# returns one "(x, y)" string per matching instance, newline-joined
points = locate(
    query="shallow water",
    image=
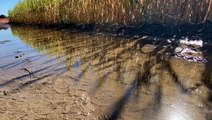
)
(127, 78)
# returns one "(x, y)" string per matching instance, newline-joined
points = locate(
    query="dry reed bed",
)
(36, 12)
(110, 11)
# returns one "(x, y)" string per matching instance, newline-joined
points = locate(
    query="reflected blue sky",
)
(12, 44)
(6, 5)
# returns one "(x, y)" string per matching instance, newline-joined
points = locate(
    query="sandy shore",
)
(51, 100)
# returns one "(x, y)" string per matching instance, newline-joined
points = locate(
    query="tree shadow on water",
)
(142, 80)
(143, 77)
(207, 81)
(112, 55)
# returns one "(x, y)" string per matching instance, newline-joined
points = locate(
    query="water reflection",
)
(4, 26)
(135, 78)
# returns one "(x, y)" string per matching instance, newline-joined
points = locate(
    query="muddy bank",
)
(136, 29)
(167, 31)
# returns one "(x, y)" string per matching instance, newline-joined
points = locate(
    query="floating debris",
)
(190, 50)
(19, 54)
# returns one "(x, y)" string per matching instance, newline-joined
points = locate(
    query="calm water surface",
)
(127, 78)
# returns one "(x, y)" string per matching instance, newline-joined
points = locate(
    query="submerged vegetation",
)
(110, 11)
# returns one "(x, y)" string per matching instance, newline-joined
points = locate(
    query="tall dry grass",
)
(101, 11)
(36, 12)
(111, 11)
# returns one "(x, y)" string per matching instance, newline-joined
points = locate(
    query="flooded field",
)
(48, 74)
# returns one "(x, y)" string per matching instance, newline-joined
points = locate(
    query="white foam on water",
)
(191, 42)
(188, 50)
(178, 49)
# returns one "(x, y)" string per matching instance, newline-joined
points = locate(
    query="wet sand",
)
(51, 74)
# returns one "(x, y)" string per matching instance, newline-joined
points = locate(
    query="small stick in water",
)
(30, 73)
